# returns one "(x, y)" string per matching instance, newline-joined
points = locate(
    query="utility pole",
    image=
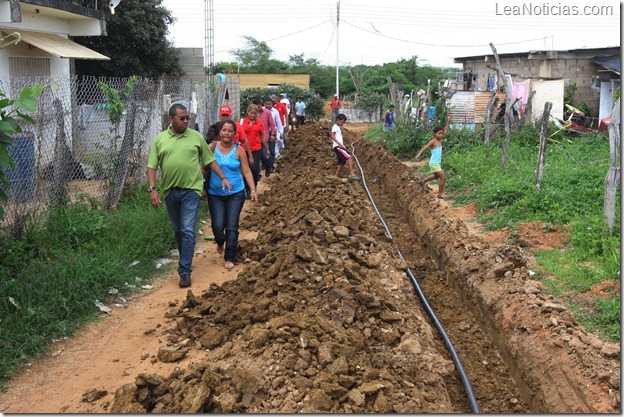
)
(209, 36)
(337, 49)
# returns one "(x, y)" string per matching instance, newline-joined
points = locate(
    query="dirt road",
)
(319, 317)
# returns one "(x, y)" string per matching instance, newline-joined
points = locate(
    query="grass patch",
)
(52, 276)
(571, 193)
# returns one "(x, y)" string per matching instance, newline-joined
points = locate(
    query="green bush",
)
(52, 276)
(314, 105)
(571, 193)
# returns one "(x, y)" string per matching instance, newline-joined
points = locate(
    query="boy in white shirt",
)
(344, 157)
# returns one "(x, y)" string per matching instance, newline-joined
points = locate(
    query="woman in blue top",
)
(225, 206)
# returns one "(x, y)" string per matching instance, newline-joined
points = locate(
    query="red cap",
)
(225, 109)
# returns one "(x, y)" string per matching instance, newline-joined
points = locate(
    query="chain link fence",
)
(84, 144)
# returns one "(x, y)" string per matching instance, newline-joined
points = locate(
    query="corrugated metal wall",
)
(462, 107)
(469, 107)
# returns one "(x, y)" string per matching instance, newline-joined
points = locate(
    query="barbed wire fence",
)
(79, 150)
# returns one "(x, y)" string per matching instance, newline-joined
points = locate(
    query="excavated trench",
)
(324, 319)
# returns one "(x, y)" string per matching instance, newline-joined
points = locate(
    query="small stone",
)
(371, 387)
(614, 381)
(324, 355)
(171, 353)
(341, 231)
(610, 350)
(356, 397)
(93, 395)
(549, 306)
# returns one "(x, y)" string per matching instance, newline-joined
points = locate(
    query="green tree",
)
(367, 81)
(256, 58)
(322, 77)
(136, 43)
(314, 105)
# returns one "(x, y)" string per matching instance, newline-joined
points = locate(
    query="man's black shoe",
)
(185, 280)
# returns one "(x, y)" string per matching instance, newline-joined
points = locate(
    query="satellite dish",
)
(112, 4)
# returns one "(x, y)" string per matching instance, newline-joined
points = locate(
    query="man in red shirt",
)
(335, 106)
(265, 116)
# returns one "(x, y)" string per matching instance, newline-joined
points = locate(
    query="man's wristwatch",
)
(150, 189)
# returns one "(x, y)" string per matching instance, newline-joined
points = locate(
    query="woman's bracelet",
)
(253, 192)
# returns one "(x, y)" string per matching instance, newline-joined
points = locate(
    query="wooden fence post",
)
(542, 149)
(528, 111)
(613, 175)
(488, 118)
(508, 83)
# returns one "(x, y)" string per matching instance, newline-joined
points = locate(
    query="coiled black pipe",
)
(460, 369)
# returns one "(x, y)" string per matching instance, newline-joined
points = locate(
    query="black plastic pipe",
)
(460, 369)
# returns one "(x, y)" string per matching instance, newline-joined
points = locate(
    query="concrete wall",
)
(192, 62)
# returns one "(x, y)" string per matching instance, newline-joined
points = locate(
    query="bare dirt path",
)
(111, 352)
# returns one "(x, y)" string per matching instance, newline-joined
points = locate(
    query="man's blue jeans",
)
(225, 214)
(271, 164)
(182, 206)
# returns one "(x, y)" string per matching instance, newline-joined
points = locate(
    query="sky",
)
(376, 32)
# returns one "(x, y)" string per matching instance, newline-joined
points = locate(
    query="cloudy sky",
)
(374, 32)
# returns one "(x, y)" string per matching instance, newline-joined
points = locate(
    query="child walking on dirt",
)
(435, 161)
(344, 157)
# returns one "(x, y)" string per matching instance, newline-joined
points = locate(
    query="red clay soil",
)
(319, 316)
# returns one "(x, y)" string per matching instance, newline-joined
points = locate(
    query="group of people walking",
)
(223, 168)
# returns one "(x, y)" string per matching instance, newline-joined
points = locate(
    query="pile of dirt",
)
(323, 318)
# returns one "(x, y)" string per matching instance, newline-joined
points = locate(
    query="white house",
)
(35, 47)
(44, 27)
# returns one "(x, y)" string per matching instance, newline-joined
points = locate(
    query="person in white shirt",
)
(279, 131)
(344, 157)
(300, 112)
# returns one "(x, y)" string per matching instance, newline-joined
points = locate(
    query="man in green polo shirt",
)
(181, 153)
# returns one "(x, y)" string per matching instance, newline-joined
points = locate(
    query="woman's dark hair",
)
(221, 123)
(215, 129)
(211, 133)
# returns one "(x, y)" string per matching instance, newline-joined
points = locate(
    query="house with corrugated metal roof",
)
(594, 71)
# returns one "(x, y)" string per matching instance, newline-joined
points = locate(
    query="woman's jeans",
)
(182, 206)
(225, 214)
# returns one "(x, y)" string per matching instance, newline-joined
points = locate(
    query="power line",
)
(331, 38)
(438, 45)
(297, 32)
